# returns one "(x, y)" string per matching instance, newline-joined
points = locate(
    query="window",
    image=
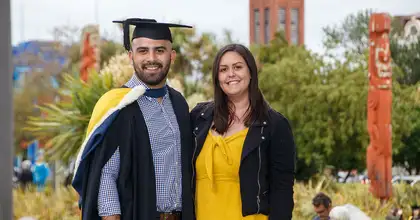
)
(294, 26)
(257, 25)
(282, 20)
(266, 25)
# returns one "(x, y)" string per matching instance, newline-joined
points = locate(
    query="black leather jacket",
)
(267, 164)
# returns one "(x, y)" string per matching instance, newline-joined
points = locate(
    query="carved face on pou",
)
(383, 57)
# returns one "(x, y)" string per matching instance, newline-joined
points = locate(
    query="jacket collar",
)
(208, 112)
(256, 135)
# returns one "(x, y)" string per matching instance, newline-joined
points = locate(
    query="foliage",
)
(71, 36)
(62, 204)
(36, 88)
(50, 205)
(356, 194)
(120, 67)
(65, 124)
(352, 35)
(326, 104)
(195, 56)
(407, 56)
(408, 157)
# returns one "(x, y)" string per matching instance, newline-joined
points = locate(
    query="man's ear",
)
(173, 56)
(130, 55)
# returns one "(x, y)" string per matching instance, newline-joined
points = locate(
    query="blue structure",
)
(41, 171)
(32, 151)
(37, 56)
(33, 56)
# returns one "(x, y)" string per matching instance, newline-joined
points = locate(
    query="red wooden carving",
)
(89, 52)
(379, 151)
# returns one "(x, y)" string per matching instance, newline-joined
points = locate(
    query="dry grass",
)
(50, 205)
(62, 204)
(356, 194)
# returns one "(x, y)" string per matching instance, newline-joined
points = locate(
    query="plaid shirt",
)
(165, 141)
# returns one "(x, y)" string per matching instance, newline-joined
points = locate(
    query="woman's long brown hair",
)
(224, 112)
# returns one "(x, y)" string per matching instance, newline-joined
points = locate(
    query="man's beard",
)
(151, 79)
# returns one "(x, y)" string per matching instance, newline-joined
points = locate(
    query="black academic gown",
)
(136, 182)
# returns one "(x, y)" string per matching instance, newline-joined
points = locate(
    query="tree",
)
(65, 125)
(352, 35)
(36, 88)
(407, 57)
(196, 53)
(408, 156)
(326, 103)
(70, 36)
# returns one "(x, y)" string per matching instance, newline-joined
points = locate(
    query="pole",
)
(6, 116)
(22, 20)
(95, 2)
(379, 108)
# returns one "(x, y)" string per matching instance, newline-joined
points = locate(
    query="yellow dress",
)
(218, 194)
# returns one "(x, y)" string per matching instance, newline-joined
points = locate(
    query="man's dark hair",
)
(321, 199)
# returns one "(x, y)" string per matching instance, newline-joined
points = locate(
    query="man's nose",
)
(152, 56)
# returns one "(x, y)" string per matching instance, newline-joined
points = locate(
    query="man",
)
(322, 206)
(415, 213)
(135, 163)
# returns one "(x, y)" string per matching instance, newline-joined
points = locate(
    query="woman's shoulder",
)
(275, 116)
(201, 107)
(277, 119)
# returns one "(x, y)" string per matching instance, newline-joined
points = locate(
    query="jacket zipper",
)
(259, 170)
(258, 180)
(192, 161)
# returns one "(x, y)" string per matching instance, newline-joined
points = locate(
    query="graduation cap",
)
(148, 28)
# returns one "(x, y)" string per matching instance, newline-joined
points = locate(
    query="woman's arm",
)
(282, 170)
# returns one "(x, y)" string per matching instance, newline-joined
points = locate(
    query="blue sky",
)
(33, 20)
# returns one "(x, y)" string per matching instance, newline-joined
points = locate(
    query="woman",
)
(244, 157)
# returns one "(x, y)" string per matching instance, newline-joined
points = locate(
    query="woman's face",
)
(234, 76)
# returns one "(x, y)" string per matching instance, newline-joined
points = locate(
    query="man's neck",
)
(158, 86)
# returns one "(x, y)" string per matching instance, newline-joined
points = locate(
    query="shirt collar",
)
(135, 81)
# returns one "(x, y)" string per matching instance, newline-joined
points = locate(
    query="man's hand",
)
(111, 217)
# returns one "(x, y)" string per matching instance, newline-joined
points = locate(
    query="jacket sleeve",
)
(282, 170)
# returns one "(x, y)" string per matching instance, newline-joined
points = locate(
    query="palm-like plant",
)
(62, 125)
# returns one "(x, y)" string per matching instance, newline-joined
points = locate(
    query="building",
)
(270, 16)
(411, 27)
(32, 57)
